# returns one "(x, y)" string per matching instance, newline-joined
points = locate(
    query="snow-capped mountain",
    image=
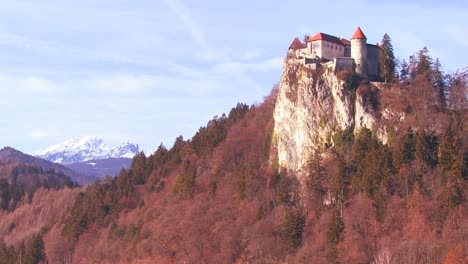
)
(88, 148)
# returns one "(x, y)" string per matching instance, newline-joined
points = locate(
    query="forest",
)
(220, 197)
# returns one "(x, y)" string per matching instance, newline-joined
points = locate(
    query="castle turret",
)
(359, 52)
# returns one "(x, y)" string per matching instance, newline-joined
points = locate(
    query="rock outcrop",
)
(312, 105)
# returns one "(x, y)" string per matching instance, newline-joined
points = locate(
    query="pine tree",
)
(387, 59)
(404, 72)
(138, 168)
(293, 228)
(185, 181)
(335, 230)
(413, 66)
(34, 251)
(447, 149)
(316, 176)
(426, 148)
(406, 149)
(438, 81)
(424, 64)
(338, 185)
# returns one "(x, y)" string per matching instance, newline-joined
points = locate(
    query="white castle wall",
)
(327, 50)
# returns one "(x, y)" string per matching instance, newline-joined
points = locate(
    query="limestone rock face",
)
(311, 107)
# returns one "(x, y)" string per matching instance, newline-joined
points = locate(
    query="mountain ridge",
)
(86, 149)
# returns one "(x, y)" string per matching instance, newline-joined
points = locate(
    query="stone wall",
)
(327, 50)
(359, 54)
(373, 62)
(344, 64)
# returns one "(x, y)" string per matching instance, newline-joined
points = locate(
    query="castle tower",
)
(359, 52)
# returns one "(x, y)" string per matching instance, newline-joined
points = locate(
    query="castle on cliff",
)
(339, 54)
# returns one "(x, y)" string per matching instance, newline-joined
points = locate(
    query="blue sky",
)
(148, 71)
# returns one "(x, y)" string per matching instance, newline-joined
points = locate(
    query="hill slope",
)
(8, 154)
(227, 196)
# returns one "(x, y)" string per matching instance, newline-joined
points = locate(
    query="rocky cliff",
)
(314, 104)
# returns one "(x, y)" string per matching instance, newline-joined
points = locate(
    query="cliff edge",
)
(314, 104)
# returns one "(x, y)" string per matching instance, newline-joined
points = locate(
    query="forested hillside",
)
(19, 182)
(221, 197)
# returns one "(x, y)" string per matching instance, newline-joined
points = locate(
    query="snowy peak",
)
(126, 150)
(87, 148)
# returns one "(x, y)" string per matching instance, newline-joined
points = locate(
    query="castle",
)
(340, 54)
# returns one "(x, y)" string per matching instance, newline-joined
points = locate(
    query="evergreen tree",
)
(425, 63)
(34, 251)
(138, 168)
(185, 181)
(404, 72)
(438, 81)
(293, 227)
(338, 184)
(387, 59)
(335, 229)
(316, 175)
(406, 149)
(447, 149)
(426, 148)
(412, 67)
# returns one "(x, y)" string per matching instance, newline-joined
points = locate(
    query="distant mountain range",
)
(87, 149)
(101, 168)
(84, 160)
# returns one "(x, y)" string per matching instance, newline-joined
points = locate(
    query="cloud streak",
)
(183, 14)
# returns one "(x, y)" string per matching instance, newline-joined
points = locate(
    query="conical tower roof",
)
(358, 34)
(296, 44)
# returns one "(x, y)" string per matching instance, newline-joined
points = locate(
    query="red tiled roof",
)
(345, 42)
(358, 34)
(325, 37)
(296, 44)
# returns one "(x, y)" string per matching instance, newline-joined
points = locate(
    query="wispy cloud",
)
(56, 49)
(183, 13)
